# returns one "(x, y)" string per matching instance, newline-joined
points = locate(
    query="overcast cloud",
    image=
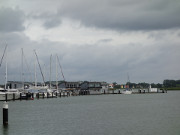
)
(95, 40)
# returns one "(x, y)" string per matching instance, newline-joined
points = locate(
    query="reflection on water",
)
(138, 114)
(5, 129)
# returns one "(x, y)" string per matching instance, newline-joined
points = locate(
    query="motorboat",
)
(11, 94)
(126, 91)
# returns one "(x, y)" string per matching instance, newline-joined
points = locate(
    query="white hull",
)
(126, 92)
(9, 96)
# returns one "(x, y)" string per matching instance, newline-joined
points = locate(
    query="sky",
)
(104, 40)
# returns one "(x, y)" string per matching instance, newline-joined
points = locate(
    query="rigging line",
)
(39, 66)
(60, 67)
(3, 55)
(28, 67)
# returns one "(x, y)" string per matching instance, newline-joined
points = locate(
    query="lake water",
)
(136, 114)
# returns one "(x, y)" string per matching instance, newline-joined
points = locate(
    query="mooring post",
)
(43, 95)
(52, 94)
(56, 94)
(5, 113)
(38, 95)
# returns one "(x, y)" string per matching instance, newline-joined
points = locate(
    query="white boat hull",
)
(126, 92)
(9, 96)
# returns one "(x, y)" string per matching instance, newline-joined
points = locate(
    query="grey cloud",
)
(124, 15)
(11, 20)
(50, 20)
(105, 40)
(51, 23)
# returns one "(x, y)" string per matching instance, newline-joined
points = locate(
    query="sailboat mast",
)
(50, 72)
(39, 67)
(22, 74)
(6, 73)
(56, 74)
(35, 79)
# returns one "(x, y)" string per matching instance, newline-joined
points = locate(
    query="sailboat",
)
(11, 93)
(127, 90)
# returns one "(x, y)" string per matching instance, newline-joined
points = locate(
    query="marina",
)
(86, 67)
(47, 93)
(103, 115)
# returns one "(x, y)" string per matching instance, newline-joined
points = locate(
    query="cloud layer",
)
(124, 15)
(95, 40)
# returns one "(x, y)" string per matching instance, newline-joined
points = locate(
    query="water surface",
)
(136, 114)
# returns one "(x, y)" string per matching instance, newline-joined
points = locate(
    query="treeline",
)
(171, 83)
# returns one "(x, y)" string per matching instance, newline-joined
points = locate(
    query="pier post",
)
(52, 94)
(43, 95)
(5, 113)
(47, 95)
(119, 92)
(56, 94)
(60, 94)
(139, 91)
(38, 95)
(144, 91)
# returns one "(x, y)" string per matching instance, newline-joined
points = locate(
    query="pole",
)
(5, 113)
